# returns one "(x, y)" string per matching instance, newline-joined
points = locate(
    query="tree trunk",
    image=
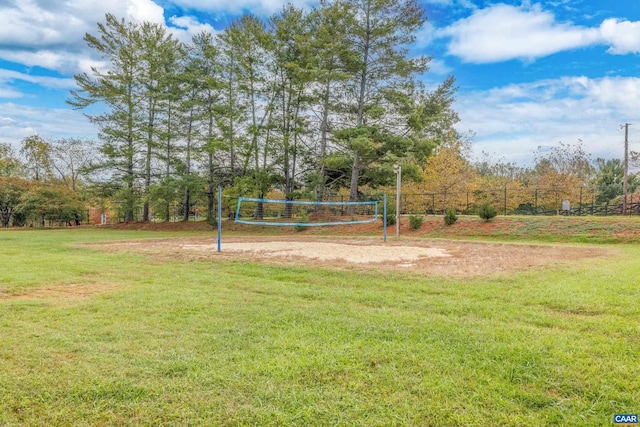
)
(187, 192)
(355, 170)
(324, 129)
(147, 171)
(353, 188)
(210, 190)
(187, 204)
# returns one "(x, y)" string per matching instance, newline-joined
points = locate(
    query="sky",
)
(530, 73)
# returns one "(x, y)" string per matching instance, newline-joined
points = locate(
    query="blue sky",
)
(529, 73)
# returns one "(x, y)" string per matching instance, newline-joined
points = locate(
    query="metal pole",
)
(398, 170)
(219, 217)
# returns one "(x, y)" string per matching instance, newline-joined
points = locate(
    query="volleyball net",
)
(304, 213)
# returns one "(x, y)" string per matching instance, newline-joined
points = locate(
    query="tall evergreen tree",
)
(158, 62)
(291, 87)
(141, 59)
(328, 54)
(383, 73)
(204, 71)
(116, 88)
(247, 43)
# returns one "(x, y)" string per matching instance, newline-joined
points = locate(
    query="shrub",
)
(391, 215)
(415, 221)
(302, 219)
(450, 217)
(486, 211)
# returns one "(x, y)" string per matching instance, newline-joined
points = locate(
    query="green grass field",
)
(96, 338)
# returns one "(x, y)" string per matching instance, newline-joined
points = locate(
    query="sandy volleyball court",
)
(329, 251)
(424, 256)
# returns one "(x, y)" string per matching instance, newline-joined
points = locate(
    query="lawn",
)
(91, 337)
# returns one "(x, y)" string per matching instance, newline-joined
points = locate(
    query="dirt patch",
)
(62, 292)
(426, 257)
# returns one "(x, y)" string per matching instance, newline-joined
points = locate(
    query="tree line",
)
(450, 178)
(46, 183)
(53, 182)
(307, 104)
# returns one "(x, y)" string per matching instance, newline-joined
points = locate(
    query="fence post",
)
(580, 209)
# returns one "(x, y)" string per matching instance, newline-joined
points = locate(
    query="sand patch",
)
(327, 251)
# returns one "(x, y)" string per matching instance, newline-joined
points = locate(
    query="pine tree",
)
(117, 89)
(383, 74)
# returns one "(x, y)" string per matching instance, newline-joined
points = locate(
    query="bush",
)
(450, 217)
(486, 211)
(303, 219)
(391, 216)
(415, 221)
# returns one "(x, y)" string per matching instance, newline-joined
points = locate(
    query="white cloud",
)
(7, 92)
(6, 121)
(63, 61)
(30, 24)
(512, 121)
(50, 34)
(503, 32)
(623, 36)
(8, 77)
(50, 82)
(439, 67)
(425, 35)
(141, 10)
(185, 27)
(85, 65)
(21, 121)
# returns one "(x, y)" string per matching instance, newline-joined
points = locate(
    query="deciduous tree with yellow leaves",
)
(448, 176)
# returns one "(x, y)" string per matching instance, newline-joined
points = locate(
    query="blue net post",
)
(384, 217)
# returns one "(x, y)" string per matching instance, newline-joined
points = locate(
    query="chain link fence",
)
(572, 201)
(524, 201)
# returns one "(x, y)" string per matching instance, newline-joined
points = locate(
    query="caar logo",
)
(625, 419)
